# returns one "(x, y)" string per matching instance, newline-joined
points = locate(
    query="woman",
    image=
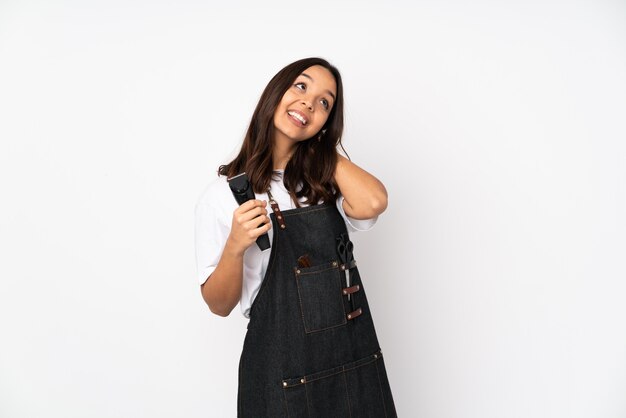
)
(311, 349)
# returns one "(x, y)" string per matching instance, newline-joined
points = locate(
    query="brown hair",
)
(312, 162)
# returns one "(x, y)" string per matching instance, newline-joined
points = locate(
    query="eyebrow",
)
(329, 92)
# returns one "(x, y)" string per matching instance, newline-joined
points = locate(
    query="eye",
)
(325, 103)
(300, 84)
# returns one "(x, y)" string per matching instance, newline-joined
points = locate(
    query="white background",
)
(496, 276)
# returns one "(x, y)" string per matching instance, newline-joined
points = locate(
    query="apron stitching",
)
(301, 308)
(309, 211)
(332, 326)
(286, 403)
(304, 270)
(382, 396)
(307, 379)
(347, 394)
(306, 393)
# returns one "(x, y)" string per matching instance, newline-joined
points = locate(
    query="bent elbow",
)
(375, 208)
(378, 206)
(215, 306)
(220, 309)
(220, 312)
(371, 210)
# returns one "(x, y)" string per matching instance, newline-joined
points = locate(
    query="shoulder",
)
(216, 198)
(214, 192)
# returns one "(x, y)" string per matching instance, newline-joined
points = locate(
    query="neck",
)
(283, 149)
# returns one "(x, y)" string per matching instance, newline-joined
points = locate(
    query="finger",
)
(257, 222)
(250, 204)
(251, 214)
(263, 229)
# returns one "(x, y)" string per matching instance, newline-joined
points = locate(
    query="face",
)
(305, 106)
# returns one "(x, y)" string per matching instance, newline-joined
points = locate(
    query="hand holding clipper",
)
(242, 191)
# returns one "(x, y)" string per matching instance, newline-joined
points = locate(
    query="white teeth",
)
(297, 116)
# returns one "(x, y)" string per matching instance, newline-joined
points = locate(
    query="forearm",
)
(364, 195)
(222, 290)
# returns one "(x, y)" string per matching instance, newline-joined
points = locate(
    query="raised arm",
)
(364, 195)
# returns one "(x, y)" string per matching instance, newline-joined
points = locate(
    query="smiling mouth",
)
(298, 117)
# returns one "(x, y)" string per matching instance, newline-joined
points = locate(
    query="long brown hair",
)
(312, 162)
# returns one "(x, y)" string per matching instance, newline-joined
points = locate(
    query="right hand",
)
(250, 221)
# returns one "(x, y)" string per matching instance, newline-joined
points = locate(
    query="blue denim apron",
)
(309, 351)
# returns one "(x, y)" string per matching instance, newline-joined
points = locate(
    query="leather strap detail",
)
(276, 209)
(279, 215)
(350, 290)
(354, 314)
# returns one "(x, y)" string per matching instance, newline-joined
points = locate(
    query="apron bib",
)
(311, 348)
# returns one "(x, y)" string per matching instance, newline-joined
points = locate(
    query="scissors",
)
(344, 249)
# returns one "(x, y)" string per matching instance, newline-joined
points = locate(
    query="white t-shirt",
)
(213, 219)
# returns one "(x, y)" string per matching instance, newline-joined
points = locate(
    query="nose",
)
(308, 104)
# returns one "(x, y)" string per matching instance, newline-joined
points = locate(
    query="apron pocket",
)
(353, 389)
(320, 293)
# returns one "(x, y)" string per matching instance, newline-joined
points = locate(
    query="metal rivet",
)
(298, 271)
(280, 217)
(283, 226)
(345, 292)
(275, 209)
(349, 316)
(343, 267)
(284, 384)
(301, 380)
(357, 287)
(334, 263)
(375, 355)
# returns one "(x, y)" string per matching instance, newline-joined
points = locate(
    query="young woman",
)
(311, 348)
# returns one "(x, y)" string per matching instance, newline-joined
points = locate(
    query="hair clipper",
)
(242, 190)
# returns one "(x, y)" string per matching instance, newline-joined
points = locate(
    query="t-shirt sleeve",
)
(211, 233)
(352, 224)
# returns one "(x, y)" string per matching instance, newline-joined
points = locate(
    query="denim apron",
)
(311, 348)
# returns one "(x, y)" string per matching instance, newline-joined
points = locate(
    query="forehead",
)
(321, 77)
